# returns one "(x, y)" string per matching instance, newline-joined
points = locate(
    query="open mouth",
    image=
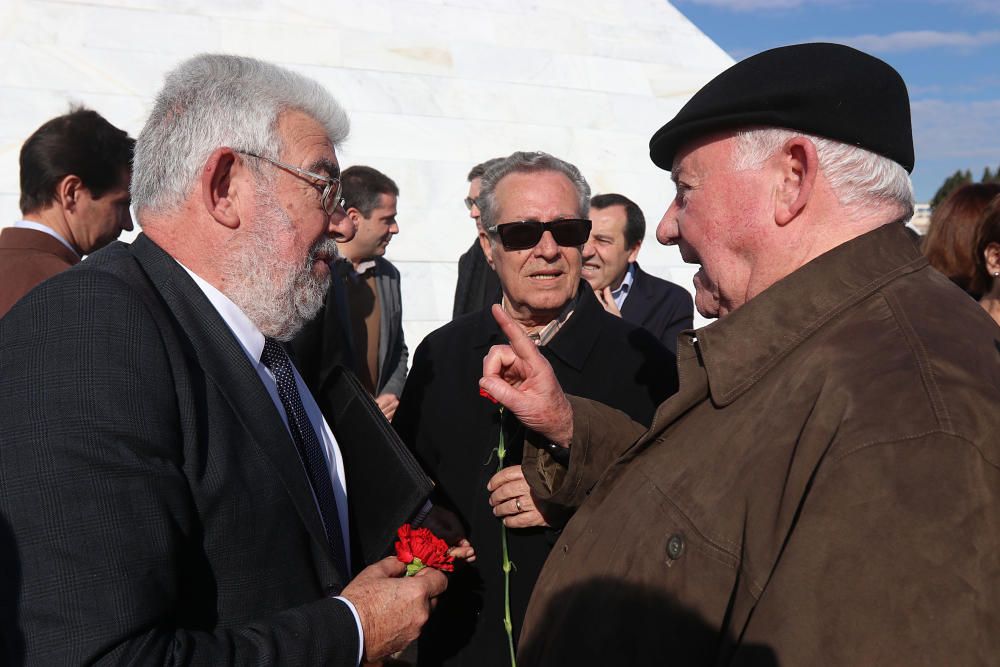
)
(545, 275)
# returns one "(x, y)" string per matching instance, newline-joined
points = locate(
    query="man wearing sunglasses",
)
(533, 212)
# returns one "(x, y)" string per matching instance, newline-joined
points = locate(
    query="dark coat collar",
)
(574, 342)
(742, 347)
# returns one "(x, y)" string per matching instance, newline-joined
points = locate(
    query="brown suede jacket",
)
(823, 490)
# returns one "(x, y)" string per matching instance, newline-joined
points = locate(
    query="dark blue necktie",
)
(310, 451)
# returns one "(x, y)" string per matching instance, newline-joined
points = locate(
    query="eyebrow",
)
(331, 168)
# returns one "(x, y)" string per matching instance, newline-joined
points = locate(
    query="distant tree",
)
(950, 183)
(987, 175)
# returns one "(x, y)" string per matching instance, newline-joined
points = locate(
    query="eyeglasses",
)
(525, 234)
(470, 202)
(332, 196)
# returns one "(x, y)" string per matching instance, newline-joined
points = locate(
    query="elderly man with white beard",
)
(170, 491)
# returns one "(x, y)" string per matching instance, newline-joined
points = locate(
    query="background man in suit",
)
(453, 429)
(368, 284)
(75, 173)
(477, 286)
(172, 491)
(625, 290)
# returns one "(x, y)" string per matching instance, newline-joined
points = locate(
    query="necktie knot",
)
(273, 354)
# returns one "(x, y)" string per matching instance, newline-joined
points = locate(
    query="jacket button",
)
(565, 548)
(675, 546)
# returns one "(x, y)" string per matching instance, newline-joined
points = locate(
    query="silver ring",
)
(517, 502)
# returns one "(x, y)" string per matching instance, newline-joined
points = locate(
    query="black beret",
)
(829, 90)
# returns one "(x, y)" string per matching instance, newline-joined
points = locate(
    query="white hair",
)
(213, 100)
(527, 163)
(859, 178)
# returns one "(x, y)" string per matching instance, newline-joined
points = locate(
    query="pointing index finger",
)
(519, 340)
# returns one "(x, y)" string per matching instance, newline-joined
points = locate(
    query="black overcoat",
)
(454, 432)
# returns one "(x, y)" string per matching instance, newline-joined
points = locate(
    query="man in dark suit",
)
(453, 430)
(171, 492)
(625, 290)
(361, 325)
(477, 286)
(75, 173)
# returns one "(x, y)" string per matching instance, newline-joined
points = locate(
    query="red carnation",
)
(486, 394)
(420, 548)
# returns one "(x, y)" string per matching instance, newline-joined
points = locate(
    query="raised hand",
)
(520, 378)
(608, 301)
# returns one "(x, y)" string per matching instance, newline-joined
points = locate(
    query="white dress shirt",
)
(620, 294)
(252, 342)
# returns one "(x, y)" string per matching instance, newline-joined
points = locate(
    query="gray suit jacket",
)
(153, 508)
(392, 352)
(326, 342)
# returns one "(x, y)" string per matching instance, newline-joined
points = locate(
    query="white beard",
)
(279, 298)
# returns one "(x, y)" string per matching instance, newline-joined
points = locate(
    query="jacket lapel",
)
(224, 361)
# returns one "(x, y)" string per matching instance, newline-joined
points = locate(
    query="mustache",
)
(325, 248)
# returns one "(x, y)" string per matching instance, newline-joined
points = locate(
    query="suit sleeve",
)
(104, 534)
(877, 573)
(398, 377)
(600, 435)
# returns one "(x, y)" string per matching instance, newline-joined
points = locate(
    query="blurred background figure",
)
(477, 286)
(361, 325)
(948, 245)
(625, 290)
(75, 172)
(986, 253)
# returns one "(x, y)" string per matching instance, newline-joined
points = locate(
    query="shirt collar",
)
(545, 335)
(740, 348)
(619, 294)
(246, 332)
(45, 229)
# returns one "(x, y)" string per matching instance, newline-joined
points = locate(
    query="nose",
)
(340, 226)
(547, 248)
(474, 212)
(588, 249)
(668, 231)
(394, 228)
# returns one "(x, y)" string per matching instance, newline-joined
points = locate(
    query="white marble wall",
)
(432, 87)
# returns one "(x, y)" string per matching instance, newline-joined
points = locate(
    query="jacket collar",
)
(741, 348)
(26, 238)
(575, 340)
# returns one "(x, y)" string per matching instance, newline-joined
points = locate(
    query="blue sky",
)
(948, 52)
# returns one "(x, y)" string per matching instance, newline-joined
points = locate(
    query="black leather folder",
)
(386, 486)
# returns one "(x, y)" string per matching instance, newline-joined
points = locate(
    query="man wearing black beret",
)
(824, 487)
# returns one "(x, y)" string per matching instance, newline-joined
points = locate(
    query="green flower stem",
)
(507, 565)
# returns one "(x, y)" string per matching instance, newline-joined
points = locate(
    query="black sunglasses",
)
(525, 234)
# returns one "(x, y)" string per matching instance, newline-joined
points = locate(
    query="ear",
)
(633, 254)
(484, 243)
(992, 256)
(219, 193)
(797, 167)
(68, 191)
